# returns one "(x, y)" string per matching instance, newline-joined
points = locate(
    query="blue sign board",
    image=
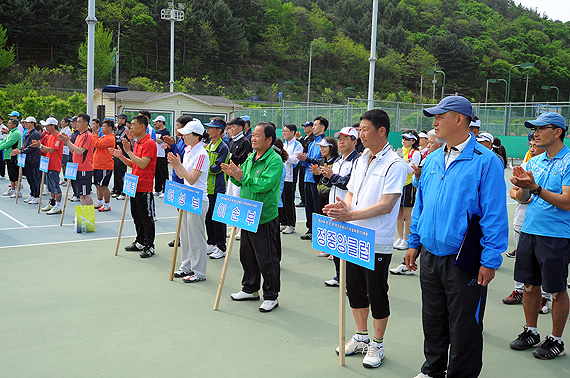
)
(44, 164)
(237, 212)
(130, 183)
(346, 241)
(22, 160)
(71, 171)
(183, 197)
(280, 94)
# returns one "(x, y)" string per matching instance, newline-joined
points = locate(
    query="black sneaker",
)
(300, 204)
(181, 273)
(549, 349)
(525, 340)
(147, 252)
(171, 244)
(307, 236)
(135, 247)
(512, 254)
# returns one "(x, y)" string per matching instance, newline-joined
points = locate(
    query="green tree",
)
(6, 54)
(103, 54)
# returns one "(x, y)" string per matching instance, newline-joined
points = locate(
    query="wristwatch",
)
(537, 191)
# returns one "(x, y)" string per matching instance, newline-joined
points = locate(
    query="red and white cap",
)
(348, 131)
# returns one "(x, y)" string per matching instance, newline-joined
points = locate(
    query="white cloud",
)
(555, 9)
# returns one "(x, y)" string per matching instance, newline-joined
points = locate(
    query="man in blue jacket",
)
(453, 301)
(312, 202)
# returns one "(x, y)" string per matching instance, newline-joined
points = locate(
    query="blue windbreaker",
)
(472, 184)
(313, 156)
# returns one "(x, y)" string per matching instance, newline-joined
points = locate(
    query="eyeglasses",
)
(540, 129)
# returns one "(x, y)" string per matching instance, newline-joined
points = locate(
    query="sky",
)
(555, 9)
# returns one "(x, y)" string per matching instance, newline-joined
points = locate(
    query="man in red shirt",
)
(142, 159)
(83, 156)
(103, 163)
(53, 149)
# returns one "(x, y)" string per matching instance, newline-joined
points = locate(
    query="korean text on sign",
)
(130, 184)
(344, 240)
(183, 197)
(238, 212)
(71, 171)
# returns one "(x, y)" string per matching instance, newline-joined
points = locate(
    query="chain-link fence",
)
(498, 119)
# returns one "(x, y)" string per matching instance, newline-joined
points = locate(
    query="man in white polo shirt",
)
(374, 189)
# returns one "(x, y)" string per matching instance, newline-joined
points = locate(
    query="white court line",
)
(68, 224)
(14, 219)
(77, 241)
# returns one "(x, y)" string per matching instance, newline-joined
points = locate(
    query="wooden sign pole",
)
(121, 227)
(65, 202)
(225, 268)
(342, 312)
(176, 241)
(41, 191)
(18, 184)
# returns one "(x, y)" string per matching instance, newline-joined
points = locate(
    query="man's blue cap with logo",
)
(457, 104)
(548, 118)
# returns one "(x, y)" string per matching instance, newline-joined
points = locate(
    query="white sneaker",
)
(422, 375)
(238, 235)
(34, 201)
(47, 207)
(403, 270)
(544, 309)
(45, 192)
(354, 346)
(217, 253)
(74, 199)
(13, 195)
(156, 193)
(121, 197)
(403, 245)
(210, 249)
(322, 254)
(243, 296)
(28, 199)
(289, 230)
(374, 355)
(54, 210)
(9, 192)
(161, 195)
(268, 306)
(282, 228)
(396, 243)
(332, 283)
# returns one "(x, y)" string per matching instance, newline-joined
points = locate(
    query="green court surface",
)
(70, 308)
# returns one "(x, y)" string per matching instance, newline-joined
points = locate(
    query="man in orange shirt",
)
(53, 149)
(83, 156)
(103, 163)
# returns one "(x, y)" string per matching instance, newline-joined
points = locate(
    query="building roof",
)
(146, 97)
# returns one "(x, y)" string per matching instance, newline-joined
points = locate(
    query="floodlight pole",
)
(173, 15)
(372, 58)
(91, 20)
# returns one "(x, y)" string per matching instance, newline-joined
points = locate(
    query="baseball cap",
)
(422, 134)
(475, 123)
(409, 136)
(548, 118)
(30, 119)
(324, 143)
(457, 104)
(123, 115)
(485, 137)
(74, 119)
(214, 123)
(194, 126)
(51, 121)
(348, 131)
(308, 124)
(159, 118)
(245, 118)
(14, 113)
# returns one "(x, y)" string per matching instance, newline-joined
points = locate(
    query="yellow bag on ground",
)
(84, 215)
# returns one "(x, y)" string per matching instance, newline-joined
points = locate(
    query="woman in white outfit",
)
(194, 170)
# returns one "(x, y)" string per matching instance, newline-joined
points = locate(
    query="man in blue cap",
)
(247, 129)
(453, 301)
(543, 252)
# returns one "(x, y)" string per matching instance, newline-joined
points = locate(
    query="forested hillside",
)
(246, 48)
